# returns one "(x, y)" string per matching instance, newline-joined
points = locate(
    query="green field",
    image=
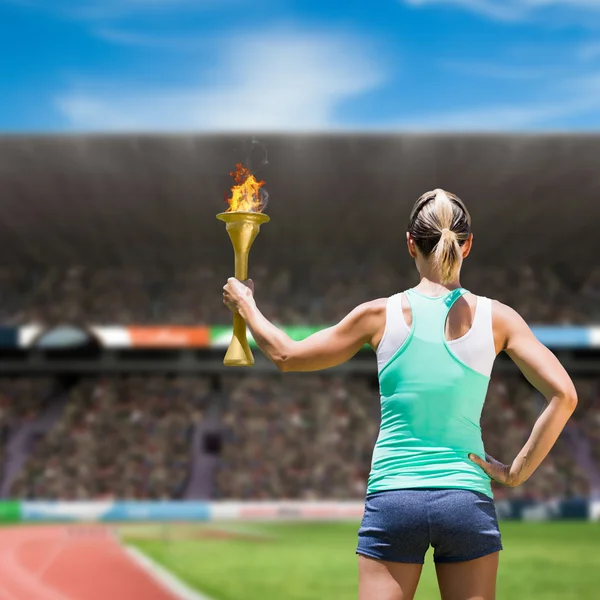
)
(300, 561)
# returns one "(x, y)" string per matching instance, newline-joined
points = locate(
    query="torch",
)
(243, 219)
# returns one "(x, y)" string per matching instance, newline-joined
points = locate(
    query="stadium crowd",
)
(126, 437)
(297, 437)
(21, 400)
(311, 436)
(588, 415)
(290, 436)
(321, 294)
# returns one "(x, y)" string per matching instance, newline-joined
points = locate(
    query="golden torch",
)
(243, 219)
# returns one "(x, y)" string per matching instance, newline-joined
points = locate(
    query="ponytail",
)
(440, 224)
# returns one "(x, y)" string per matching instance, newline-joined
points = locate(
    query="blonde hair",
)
(440, 224)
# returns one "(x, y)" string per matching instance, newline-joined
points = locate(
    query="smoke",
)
(256, 159)
(257, 156)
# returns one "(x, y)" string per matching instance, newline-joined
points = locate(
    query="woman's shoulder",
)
(367, 312)
(373, 307)
(503, 311)
(499, 309)
(369, 317)
(506, 323)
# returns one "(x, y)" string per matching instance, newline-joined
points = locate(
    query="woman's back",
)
(468, 331)
(432, 392)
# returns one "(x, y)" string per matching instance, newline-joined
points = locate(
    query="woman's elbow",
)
(283, 362)
(290, 364)
(568, 398)
(285, 359)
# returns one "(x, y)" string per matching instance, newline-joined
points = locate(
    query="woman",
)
(435, 344)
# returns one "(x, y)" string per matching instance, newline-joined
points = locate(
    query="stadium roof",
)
(150, 199)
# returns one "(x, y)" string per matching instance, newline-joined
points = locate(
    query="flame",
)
(246, 194)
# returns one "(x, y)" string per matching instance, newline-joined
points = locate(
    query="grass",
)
(314, 561)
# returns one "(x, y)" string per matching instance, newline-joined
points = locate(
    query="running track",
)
(71, 563)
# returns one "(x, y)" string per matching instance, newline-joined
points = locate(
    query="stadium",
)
(135, 464)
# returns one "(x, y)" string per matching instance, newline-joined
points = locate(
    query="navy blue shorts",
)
(400, 525)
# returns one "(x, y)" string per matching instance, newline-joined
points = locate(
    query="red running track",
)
(71, 563)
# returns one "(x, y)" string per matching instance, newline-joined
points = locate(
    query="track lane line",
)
(164, 577)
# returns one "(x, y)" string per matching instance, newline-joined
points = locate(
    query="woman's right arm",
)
(321, 350)
(544, 371)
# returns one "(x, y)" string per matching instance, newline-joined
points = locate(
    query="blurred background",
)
(121, 123)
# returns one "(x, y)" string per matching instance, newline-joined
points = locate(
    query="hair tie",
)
(446, 231)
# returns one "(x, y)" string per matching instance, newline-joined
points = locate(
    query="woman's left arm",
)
(543, 370)
(326, 348)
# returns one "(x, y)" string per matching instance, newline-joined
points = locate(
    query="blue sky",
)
(299, 65)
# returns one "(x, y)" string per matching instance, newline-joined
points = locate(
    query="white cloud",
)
(296, 82)
(582, 98)
(511, 9)
(549, 96)
(494, 117)
(261, 82)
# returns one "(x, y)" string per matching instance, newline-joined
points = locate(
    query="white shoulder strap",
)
(476, 348)
(395, 333)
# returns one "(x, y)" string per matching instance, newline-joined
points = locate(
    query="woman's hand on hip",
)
(496, 470)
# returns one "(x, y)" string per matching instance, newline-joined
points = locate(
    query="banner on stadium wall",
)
(566, 337)
(10, 512)
(160, 337)
(164, 511)
(549, 510)
(219, 336)
(286, 511)
(113, 511)
(9, 337)
(169, 337)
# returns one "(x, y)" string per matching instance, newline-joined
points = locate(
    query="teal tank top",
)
(431, 405)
